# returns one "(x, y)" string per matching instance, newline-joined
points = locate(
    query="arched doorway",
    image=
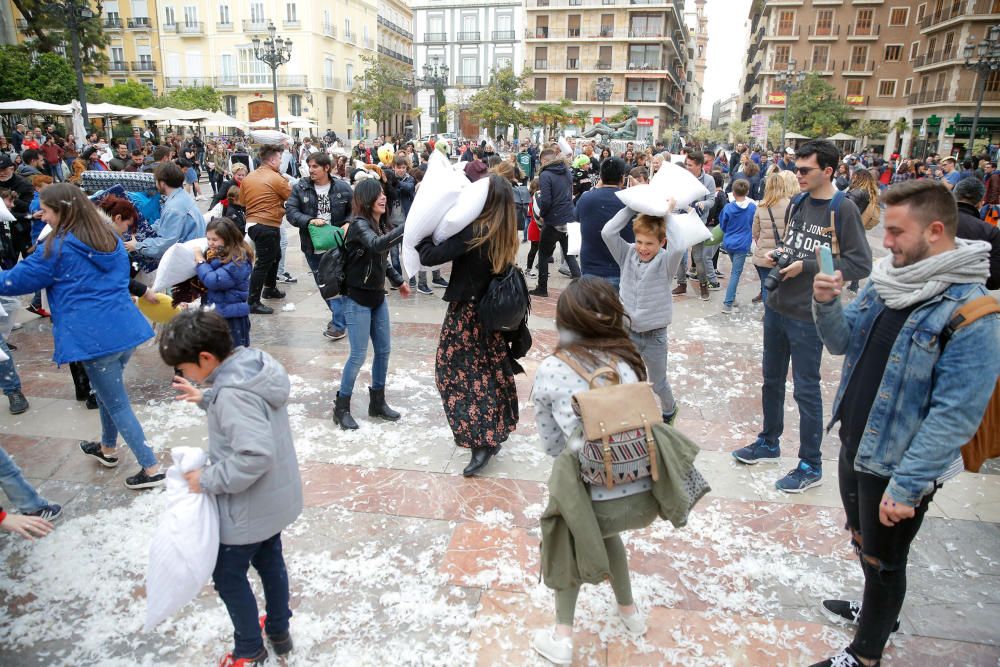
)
(260, 109)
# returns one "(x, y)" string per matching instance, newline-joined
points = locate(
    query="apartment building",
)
(697, 25)
(641, 46)
(395, 46)
(888, 59)
(134, 45)
(209, 42)
(725, 111)
(473, 38)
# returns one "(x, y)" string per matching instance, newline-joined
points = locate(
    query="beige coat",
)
(763, 232)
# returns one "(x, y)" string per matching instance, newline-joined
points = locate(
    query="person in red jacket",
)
(53, 154)
(534, 230)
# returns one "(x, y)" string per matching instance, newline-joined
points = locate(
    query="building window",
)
(117, 55)
(854, 87)
(572, 88)
(907, 87)
(644, 56)
(993, 82)
(540, 88)
(140, 10)
(229, 104)
(921, 9)
(191, 15)
(863, 22)
(291, 12)
(781, 56)
(252, 71)
(639, 90)
(824, 22)
(859, 58)
(257, 12)
(893, 53)
(786, 22)
(168, 15)
(820, 57)
(887, 88)
(899, 16)
(914, 48)
(149, 83)
(224, 14)
(295, 105)
(329, 110)
(350, 76)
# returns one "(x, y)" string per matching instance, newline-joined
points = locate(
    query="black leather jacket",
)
(367, 263)
(303, 206)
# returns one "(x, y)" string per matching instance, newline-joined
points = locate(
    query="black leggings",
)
(532, 251)
(882, 550)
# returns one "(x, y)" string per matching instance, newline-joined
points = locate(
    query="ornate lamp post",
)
(436, 78)
(987, 60)
(274, 53)
(604, 87)
(788, 81)
(76, 13)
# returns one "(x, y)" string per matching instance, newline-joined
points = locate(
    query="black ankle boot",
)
(80, 380)
(342, 413)
(480, 457)
(377, 407)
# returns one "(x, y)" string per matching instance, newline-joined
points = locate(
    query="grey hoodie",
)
(253, 471)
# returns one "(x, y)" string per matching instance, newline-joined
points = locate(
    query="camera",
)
(782, 259)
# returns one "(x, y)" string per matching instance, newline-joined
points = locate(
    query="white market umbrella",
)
(840, 136)
(795, 135)
(34, 106)
(302, 125)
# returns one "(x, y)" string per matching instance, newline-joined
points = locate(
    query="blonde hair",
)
(650, 224)
(791, 183)
(775, 190)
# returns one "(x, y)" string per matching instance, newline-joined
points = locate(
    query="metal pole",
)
(979, 109)
(81, 90)
(784, 123)
(274, 87)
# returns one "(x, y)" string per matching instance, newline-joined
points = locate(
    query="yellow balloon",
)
(160, 312)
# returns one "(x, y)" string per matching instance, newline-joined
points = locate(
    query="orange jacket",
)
(264, 192)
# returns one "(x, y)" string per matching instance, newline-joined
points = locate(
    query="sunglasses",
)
(804, 171)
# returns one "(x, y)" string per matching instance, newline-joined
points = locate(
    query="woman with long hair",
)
(366, 313)
(473, 371)
(85, 269)
(864, 192)
(769, 226)
(593, 332)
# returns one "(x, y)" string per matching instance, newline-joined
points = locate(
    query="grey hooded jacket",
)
(253, 472)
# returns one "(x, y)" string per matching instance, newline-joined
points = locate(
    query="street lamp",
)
(788, 81)
(75, 13)
(987, 60)
(274, 53)
(603, 89)
(436, 78)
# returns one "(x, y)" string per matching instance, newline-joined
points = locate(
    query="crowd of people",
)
(905, 404)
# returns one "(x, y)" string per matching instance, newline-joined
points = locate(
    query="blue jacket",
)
(555, 194)
(737, 226)
(180, 221)
(930, 402)
(92, 312)
(228, 286)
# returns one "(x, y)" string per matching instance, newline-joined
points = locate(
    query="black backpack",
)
(506, 303)
(332, 271)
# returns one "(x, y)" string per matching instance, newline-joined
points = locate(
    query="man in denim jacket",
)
(907, 401)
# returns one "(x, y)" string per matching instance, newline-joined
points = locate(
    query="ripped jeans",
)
(882, 550)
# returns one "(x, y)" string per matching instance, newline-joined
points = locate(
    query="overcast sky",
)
(726, 50)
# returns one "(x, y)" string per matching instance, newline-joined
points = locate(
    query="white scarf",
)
(906, 285)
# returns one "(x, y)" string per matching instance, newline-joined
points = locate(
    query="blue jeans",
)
(762, 272)
(738, 259)
(108, 382)
(787, 339)
(230, 579)
(614, 281)
(335, 304)
(10, 381)
(22, 494)
(364, 323)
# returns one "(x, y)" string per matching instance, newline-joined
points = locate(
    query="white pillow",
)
(269, 137)
(471, 201)
(574, 239)
(5, 214)
(437, 193)
(693, 230)
(674, 181)
(564, 146)
(177, 264)
(644, 199)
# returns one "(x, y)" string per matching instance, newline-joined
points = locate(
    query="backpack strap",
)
(834, 229)
(968, 313)
(591, 378)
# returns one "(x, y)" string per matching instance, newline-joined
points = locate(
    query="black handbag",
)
(331, 272)
(506, 303)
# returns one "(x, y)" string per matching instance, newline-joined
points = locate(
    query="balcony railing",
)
(332, 83)
(784, 32)
(646, 66)
(468, 81)
(330, 30)
(395, 54)
(392, 26)
(139, 23)
(351, 37)
(572, 63)
(468, 36)
(573, 32)
(852, 67)
(189, 28)
(143, 66)
(187, 81)
(956, 10)
(367, 43)
(927, 96)
(645, 34)
(260, 82)
(816, 32)
(224, 27)
(541, 64)
(541, 32)
(113, 23)
(250, 25)
(291, 23)
(504, 35)
(864, 31)
(935, 57)
(972, 95)
(601, 65)
(821, 66)
(117, 66)
(435, 37)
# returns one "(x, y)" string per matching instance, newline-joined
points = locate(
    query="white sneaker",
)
(558, 650)
(636, 623)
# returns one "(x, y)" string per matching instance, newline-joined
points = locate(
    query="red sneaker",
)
(38, 310)
(230, 661)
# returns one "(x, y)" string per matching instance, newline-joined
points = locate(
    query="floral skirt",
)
(475, 379)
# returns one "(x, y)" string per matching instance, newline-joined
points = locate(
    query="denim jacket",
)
(930, 402)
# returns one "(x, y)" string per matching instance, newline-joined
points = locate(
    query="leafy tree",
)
(580, 119)
(53, 80)
(46, 25)
(872, 129)
(379, 92)
(496, 103)
(738, 131)
(550, 116)
(191, 97)
(700, 133)
(816, 110)
(774, 134)
(15, 76)
(901, 126)
(129, 94)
